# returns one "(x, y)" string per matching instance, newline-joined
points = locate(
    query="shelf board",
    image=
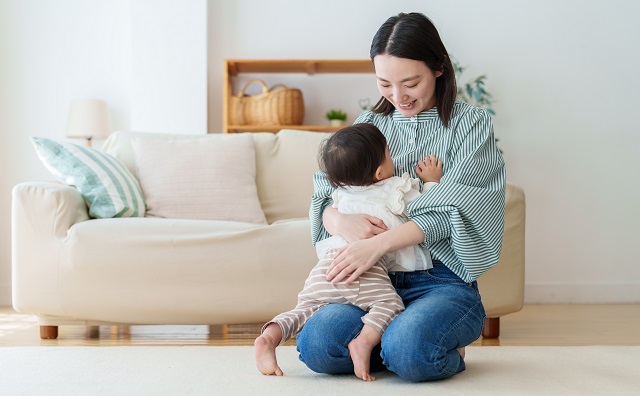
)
(309, 66)
(233, 67)
(277, 128)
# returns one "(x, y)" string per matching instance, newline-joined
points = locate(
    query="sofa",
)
(70, 269)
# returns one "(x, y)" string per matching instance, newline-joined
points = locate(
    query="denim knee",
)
(323, 341)
(428, 363)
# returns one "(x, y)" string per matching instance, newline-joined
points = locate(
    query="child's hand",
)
(430, 169)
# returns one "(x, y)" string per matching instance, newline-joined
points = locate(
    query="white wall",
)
(169, 91)
(51, 53)
(564, 75)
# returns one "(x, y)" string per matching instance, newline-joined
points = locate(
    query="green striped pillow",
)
(106, 184)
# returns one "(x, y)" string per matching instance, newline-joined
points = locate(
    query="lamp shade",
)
(88, 118)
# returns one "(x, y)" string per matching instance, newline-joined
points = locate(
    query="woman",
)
(459, 221)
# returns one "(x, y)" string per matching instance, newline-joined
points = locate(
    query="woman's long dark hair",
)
(413, 36)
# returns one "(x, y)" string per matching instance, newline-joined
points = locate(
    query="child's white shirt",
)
(386, 200)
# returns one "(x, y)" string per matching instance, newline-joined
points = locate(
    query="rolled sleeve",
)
(463, 216)
(320, 200)
(436, 226)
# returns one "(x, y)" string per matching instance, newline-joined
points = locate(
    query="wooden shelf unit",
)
(233, 67)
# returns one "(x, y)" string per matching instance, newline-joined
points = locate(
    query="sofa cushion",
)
(286, 163)
(107, 186)
(284, 171)
(175, 271)
(203, 178)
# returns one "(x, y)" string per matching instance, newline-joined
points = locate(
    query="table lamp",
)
(88, 119)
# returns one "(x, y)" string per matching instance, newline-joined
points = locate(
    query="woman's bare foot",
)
(265, 348)
(360, 350)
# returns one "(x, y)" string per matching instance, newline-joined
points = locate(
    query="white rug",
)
(202, 370)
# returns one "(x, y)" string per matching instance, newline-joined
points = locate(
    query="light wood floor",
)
(557, 325)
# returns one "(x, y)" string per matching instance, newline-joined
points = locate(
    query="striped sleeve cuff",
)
(436, 226)
(320, 200)
(318, 232)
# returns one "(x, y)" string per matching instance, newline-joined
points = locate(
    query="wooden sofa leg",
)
(48, 332)
(92, 332)
(491, 328)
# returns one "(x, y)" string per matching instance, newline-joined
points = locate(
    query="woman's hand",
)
(359, 256)
(352, 227)
(353, 260)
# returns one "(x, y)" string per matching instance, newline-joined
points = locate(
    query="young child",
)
(357, 163)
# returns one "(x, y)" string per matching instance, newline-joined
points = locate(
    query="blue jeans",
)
(442, 313)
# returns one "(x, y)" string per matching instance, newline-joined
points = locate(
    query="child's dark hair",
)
(351, 156)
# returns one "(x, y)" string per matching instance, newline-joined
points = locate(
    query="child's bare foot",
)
(265, 348)
(361, 356)
(360, 350)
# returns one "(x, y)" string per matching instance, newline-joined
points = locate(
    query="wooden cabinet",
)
(233, 67)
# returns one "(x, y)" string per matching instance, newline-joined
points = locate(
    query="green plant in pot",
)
(336, 117)
(473, 91)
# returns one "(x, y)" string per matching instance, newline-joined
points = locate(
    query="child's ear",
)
(378, 175)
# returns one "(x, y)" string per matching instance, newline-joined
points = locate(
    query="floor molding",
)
(582, 293)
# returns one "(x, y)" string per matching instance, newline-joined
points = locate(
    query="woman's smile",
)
(408, 84)
(407, 105)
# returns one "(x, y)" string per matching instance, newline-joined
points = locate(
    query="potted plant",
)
(473, 91)
(336, 117)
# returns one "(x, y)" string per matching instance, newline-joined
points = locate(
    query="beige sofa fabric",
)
(211, 178)
(502, 287)
(286, 162)
(68, 269)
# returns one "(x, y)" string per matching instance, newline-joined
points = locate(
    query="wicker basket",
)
(277, 105)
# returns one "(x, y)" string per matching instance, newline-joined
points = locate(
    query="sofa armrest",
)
(502, 287)
(41, 216)
(48, 208)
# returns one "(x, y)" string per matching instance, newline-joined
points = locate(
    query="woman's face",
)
(408, 84)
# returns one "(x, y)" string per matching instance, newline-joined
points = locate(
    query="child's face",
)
(387, 168)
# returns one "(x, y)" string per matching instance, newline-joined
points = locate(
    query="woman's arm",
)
(320, 200)
(352, 227)
(462, 217)
(357, 257)
(327, 221)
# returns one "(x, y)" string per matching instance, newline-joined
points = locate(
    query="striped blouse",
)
(463, 216)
